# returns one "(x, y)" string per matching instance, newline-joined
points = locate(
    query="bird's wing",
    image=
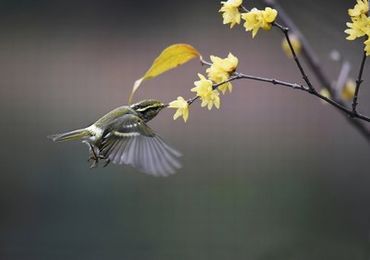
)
(130, 141)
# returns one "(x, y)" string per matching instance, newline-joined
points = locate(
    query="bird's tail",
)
(70, 136)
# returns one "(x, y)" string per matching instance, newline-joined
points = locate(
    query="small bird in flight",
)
(123, 137)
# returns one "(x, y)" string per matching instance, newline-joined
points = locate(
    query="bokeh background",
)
(274, 174)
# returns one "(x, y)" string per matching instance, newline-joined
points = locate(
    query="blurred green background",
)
(274, 174)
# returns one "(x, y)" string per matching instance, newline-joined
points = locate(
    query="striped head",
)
(147, 109)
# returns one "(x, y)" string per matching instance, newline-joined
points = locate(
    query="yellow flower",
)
(202, 86)
(182, 107)
(324, 92)
(367, 46)
(228, 64)
(211, 99)
(252, 21)
(269, 15)
(348, 90)
(296, 43)
(360, 23)
(218, 76)
(362, 7)
(256, 19)
(230, 11)
(204, 89)
(221, 69)
(359, 27)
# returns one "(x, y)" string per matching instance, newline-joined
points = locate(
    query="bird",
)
(123, 137)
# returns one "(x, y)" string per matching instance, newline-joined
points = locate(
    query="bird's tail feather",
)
(70, 136)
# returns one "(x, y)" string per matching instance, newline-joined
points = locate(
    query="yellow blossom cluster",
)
(254, 19)
(207, 89)
(221, 69)
(360, 23)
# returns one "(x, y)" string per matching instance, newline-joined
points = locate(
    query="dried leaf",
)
(170, 58)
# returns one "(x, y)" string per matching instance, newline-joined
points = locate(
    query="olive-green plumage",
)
(123, 137)
(115, 113)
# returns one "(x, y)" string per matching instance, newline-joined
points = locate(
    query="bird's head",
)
(148, 108)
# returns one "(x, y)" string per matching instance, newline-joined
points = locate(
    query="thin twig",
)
(244, 8)
(358, 83)
(308, 53)
(204, 62)
(314, 63)
(344, 109)
(285, 30)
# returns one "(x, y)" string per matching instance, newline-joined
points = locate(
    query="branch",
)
(314, 63)
(307, 52)
(237, 76)
(344, 109)
(358, 83)
(285, 30)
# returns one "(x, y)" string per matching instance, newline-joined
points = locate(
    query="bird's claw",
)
(95, 160)
(95, 157)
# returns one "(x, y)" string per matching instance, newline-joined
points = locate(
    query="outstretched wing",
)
(130, 141)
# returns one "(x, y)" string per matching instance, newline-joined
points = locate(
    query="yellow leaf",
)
(171, 57)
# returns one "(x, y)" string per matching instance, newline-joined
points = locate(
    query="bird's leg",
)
(102, 157)
(98, 155)
(93, 156)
